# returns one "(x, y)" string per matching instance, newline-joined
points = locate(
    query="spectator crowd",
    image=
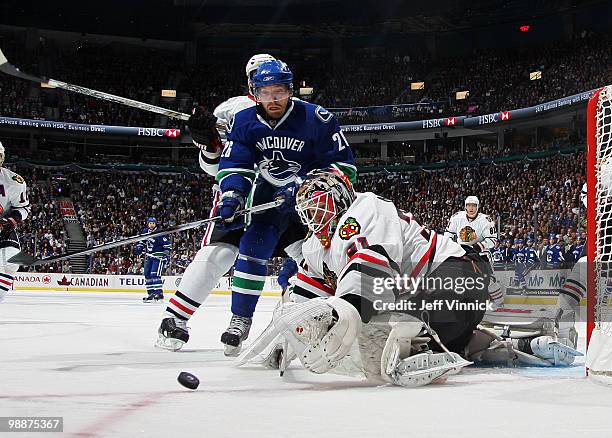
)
(496, 80)
(530, 200)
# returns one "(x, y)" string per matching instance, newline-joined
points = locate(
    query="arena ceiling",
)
(188, 19)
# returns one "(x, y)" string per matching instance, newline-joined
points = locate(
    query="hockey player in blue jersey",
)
(554, 252)
(270, 147)
(519, 265)
(497, 255)
(156, 260)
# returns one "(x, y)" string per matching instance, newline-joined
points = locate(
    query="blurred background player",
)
(279, 141)
(157, 256)
(554, 253)
(471, 228)
(14, 209)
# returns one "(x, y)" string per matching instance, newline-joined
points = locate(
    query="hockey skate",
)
(153, 297)
(237, 332)
(172, 334)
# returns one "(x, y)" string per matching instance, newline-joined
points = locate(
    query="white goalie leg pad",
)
(423, 368)
(321, 331)
(400, 366)
(556, 351)
(398, 346)
(208, 266)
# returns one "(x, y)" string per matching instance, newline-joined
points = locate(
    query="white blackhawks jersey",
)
(224, 114)
(373, 240)
(13, 194)
(478, 232)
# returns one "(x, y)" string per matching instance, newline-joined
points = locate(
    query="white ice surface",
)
(90, 358)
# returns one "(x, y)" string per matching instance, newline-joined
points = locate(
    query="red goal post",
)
(599, 233)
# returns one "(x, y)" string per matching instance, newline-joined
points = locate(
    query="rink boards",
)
(542, 285)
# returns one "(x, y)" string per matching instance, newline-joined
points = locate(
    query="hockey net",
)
(599, 235)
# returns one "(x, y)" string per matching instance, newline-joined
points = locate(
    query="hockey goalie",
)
(382, 295)
(369, 306)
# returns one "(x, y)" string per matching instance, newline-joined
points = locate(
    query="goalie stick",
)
(24, 259)
(10, 69)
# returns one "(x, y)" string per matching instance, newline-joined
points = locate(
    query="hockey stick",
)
(10, 69)
(24, 259)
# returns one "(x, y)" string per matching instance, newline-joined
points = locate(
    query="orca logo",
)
(278, 170)
(323, 114)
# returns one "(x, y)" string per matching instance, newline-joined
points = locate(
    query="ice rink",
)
(89, 357)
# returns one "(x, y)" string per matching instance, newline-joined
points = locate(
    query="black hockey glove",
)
(202, 125)
(7, 225)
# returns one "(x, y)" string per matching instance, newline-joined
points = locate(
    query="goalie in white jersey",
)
(471, 228)
(14, 209)
(365, 268)
(387, 298)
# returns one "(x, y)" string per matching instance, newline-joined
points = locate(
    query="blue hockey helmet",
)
(552, 236)
(151, 219)
(519, 241)
(273, 73)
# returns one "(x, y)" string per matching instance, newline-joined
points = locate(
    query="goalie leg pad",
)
(423, 368)
(557, 352)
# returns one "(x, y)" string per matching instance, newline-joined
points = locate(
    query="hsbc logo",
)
(504, 115)
(450, 121)
(159, 132)
(432, 123)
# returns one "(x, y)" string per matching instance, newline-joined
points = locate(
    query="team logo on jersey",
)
(278, 170)
(18, 179)
(323, 114)
(349, 228)
(467, 234)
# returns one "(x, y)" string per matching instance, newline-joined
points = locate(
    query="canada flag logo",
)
(450, 121)
(172, 133)
(504, 115)
(64, 281)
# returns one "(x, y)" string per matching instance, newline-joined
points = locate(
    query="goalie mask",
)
(323, 197)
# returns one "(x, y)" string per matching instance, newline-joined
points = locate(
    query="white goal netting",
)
(599, 229)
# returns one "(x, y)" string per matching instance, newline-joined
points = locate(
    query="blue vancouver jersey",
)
(577, 252)
(554, 254)
(531, 256)
(519, 256)
(497, 254)
(307, 137)
(159, 246)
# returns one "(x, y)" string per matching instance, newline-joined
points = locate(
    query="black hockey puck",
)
(188, 380)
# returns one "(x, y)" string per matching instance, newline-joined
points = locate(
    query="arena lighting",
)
(417, 86)
(524, 28)
(535, 75)
(460, 95)
(168, 93)
(306, 91)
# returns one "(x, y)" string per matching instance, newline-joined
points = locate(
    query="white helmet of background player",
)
(324, 196)
(2, 154)
(471, 206)
(252, 66)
